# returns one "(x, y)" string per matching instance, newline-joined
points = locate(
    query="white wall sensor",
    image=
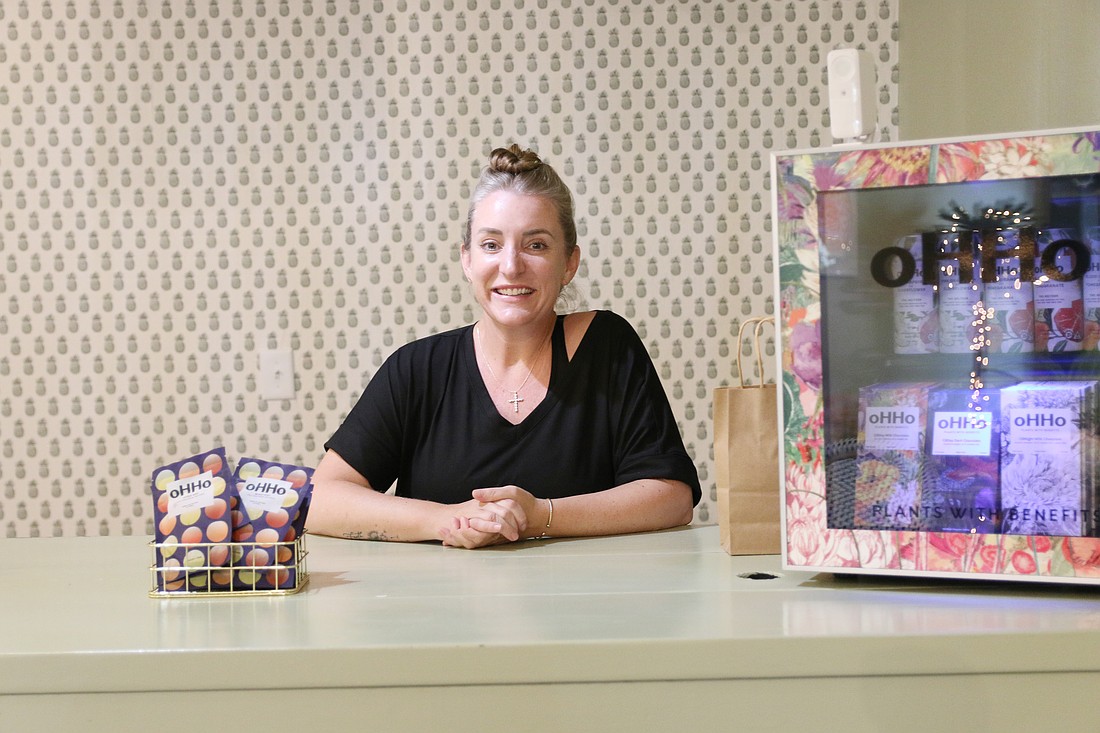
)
(851, 93)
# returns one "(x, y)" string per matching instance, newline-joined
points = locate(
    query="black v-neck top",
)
(427, 421)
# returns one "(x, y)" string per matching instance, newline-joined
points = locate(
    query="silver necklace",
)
(516, 399)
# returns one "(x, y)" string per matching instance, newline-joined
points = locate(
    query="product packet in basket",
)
(191, 507)
(274, 501)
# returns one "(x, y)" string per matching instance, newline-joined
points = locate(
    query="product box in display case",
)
(939, 327)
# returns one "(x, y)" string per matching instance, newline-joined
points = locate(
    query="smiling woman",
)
(524, 424)
(517, 264)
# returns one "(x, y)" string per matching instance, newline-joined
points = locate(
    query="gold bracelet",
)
(551, 517)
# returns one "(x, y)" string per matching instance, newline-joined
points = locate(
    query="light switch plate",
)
(276, 374)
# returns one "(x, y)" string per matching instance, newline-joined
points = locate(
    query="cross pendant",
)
(516, 399)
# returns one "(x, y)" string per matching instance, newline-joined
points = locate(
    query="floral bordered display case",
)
(939, 328)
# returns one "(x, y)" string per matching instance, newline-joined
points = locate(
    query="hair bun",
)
(514, 159)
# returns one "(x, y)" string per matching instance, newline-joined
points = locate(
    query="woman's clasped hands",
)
(494, 516)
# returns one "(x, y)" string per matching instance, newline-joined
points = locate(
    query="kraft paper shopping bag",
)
(746, 457)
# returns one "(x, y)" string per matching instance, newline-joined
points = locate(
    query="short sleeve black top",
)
(427, 421)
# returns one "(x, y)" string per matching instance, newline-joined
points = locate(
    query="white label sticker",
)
(961, 433)
(893, 428)
(1042, 430)
(265, 494)
(191, 494)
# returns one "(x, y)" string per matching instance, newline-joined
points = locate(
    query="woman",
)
(527, 423)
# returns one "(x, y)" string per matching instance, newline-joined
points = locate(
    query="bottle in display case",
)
(959, 291)
(1090, 287)
(916, 318)
(975, 453)
(1009, 295)
(1059, 291)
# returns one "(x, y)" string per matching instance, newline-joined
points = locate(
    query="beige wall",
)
(183, 184)
(990, 66)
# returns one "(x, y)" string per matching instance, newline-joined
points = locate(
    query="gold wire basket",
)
(236, 576)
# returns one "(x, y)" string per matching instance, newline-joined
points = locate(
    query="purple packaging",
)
(890, 455)
(1048, 458)
(191, 509)
(270, 515)
(962, 486)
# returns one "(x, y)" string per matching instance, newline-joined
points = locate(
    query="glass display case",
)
(939, 364)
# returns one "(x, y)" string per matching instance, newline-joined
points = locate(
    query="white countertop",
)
(668, 606)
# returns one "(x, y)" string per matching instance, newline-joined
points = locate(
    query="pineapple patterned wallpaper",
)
(186, 183)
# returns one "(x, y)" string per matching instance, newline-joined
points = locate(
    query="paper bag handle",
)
(757, 324)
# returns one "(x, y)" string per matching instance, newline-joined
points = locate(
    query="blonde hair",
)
(524, 172)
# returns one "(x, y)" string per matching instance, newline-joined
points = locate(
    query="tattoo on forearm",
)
(375, 535)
